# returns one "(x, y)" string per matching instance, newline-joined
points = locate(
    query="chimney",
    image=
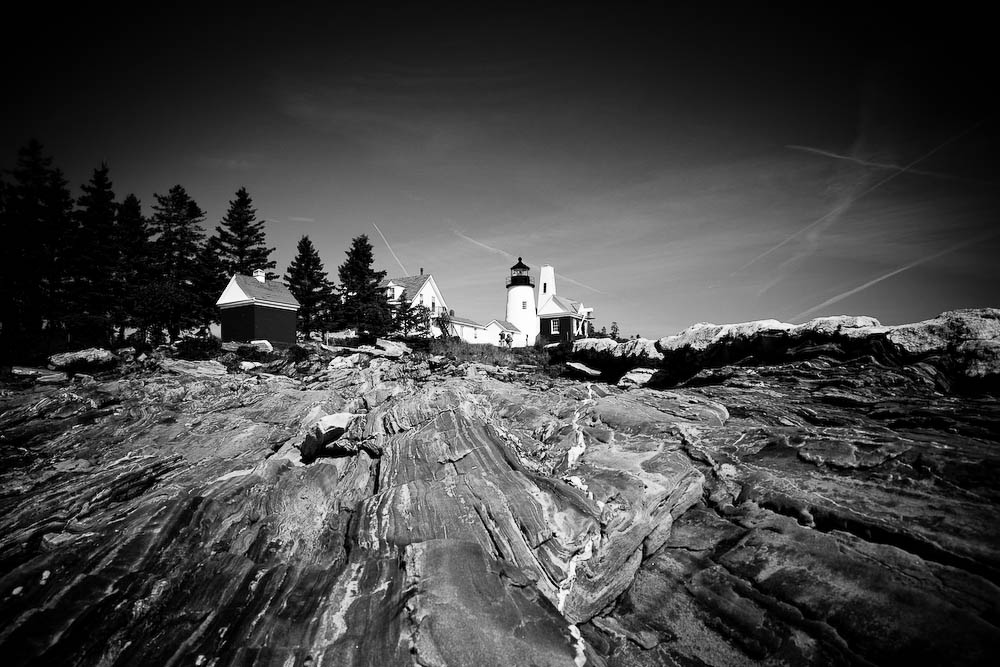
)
(260, 275)
(421, 270)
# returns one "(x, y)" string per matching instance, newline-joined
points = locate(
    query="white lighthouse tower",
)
(521, 301)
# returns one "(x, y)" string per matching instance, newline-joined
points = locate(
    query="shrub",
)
(198, 348)
(297, 353)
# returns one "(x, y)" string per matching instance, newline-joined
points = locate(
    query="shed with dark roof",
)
(254, 308)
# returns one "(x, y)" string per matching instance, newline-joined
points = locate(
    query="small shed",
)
(255, 308)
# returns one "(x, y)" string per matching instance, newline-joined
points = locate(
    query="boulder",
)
(637, 377)
(91, 359)
(580, 369)
(323, 432)
(263, 345)
(193, 368)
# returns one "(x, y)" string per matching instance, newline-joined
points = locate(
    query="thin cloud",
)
(906, 267)
(233, 164)
(832, 215)
(504, 253)
(870, 163)
(296, 218)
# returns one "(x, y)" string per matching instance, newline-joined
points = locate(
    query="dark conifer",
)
(131, 238)
(242, 243)
(404, 315)
(307, 281)
(364, 306)
(37, 229)
(94, 261)
(177, 249)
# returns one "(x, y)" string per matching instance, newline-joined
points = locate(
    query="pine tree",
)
(242, 242)
(210, 280)
(94, 261)
(615, 331)
(308, 283)
(364, 307)
(175, 303)
(37, 228)
(404, 315)
(131, 238)
(422, 320)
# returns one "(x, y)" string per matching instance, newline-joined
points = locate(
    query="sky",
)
(674, 166)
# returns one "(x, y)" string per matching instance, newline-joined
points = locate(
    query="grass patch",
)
(461, 351)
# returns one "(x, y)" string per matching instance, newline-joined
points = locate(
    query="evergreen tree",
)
(177, 249)
(422, 320)
(131, 239)
(242, 243)
(308, 283)
(37, 228)
(404, 314)
(614, 330)
(364, 307)
(94, 261)
(210, 280)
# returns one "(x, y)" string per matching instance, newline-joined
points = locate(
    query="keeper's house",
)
(255, 308)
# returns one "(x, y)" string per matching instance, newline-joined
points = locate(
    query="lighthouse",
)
(521, 301)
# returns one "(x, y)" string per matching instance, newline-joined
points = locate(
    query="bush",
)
(198, 348)
(251, 353)
(297, 353)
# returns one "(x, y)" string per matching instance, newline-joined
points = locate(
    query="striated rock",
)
(325, 431)
(816, 511)
(91, 359)
(580, 369)
(637, 377)
(961, 343)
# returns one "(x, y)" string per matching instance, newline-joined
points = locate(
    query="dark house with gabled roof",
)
(254, 308)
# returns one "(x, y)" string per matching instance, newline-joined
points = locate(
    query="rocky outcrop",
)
(820, 511)
(91, 359)
(965, 344)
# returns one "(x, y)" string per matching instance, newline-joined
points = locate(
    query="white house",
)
(469, 330)
(559, 318)
(497, 328)
(421, 290)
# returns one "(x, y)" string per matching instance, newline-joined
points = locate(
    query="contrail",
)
(906, 267)
(868, 163)
(839, 209)
(509, 256)
(405, 272)
(497, 251)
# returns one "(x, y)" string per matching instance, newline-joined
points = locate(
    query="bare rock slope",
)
(373, 510)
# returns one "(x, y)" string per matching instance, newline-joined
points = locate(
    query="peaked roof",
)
(504, 324)
(565, 306)
(272, 290)
(520, 265)
(458, 319)
(411, 284)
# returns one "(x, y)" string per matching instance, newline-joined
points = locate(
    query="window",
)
(433, 306)
(555, 326)
(545, 288)
(524, 305)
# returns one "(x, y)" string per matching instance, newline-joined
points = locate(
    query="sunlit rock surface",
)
(377, 510)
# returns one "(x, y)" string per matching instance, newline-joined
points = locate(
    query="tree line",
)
(95, 270)
(358, 302)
